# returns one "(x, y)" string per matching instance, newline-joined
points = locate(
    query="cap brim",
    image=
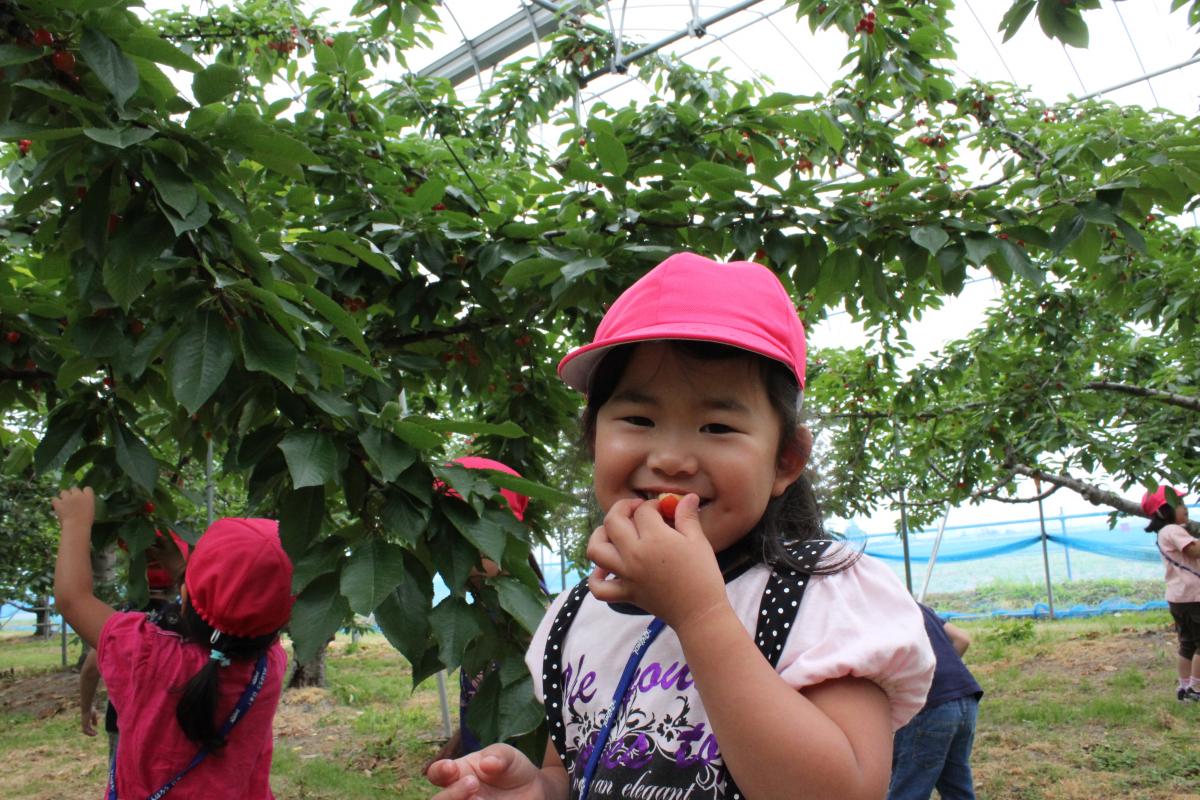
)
(577, 366)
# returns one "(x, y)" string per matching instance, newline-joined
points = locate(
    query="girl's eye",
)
(716, 427)
(643, 422)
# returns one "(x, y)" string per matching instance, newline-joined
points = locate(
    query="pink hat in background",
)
(1153, 501)
(516, 502)
(690, 297)
(239, 579)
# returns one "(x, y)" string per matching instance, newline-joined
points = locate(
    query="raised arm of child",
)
(832, 740)
(500, 772)
(73, 591)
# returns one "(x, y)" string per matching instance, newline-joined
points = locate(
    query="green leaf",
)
(119, 138)
(129, 268)
(134, 458)
(319, 611)
(374, 569)
(111, 66)
(200, 360)
(507, 430)
(454, 626)
(215, 82)
(481, 531)
(530, 489)
(311, 457)
(12, 55)
(342, 321)
(583, 266)
(931, 237)
(525, 605)
(1012, 20)
(12, 130)
(176, 189)
(611, 153)
(268, 351)
(387, 452)
(300, 516)
(320, 559)
(403, 617)
(144, 43)
(979, 246)
(56, 92)
(60, 443)
(418, 436)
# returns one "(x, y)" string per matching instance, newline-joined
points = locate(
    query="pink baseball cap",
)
(239, 579)
(1153, 501)
(517, 503)
(690, 297)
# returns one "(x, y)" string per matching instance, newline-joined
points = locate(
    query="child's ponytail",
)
(197, 708)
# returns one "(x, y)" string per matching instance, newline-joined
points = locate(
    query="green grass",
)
(1074, 710)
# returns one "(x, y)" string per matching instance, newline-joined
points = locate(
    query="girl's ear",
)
(793, 458)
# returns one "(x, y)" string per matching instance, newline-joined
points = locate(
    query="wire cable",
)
(1136, 54)
(992, 42)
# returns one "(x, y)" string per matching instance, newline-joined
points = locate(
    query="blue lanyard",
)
(249, 694)
(639, 649)
(1184, 567)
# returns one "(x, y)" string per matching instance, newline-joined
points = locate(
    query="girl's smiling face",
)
(683, 425)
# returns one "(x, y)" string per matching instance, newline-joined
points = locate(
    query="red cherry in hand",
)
(667, 503)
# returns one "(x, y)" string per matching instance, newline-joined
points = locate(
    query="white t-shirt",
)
(859, 622)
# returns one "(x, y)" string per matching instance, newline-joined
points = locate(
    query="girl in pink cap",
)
(1181, 556)
(196, 708)
(720, 649)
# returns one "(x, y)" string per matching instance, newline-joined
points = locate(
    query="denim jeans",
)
(934, 751)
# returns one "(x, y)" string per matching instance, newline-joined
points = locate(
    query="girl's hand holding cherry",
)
(670, 572)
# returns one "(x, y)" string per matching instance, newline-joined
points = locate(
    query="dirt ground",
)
(1009, 762)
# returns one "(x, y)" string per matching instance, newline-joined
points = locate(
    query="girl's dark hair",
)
(197, 709)
(789, 519)
(1164, 516)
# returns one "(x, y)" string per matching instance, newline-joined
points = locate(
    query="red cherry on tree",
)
(43, 38)
(23, 145)
(148, 507)
(136, 327)
(63, 61)
(12, 337)
(329, 41)
(114, 220)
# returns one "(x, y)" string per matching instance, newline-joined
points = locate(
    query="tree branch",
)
(1093, 494)
(1170, 398)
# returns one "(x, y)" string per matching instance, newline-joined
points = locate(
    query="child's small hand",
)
(671, 572)
(75, 507)
(498, 772)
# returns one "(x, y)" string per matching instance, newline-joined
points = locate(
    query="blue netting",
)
(1079, 546)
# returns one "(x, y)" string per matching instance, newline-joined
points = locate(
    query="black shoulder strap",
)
(552, 669)
(777, 614)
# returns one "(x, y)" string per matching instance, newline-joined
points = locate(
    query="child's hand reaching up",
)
(670, 572)
(75, 507)
(498, 772)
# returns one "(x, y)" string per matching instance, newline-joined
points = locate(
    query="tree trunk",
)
(309, 673)
(43, 627)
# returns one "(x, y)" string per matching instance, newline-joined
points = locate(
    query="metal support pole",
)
(208, 482)
(937, 543)
(1062, 522)
(621, 62)
(1045, 551)
(441, 683)
(903, 514)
